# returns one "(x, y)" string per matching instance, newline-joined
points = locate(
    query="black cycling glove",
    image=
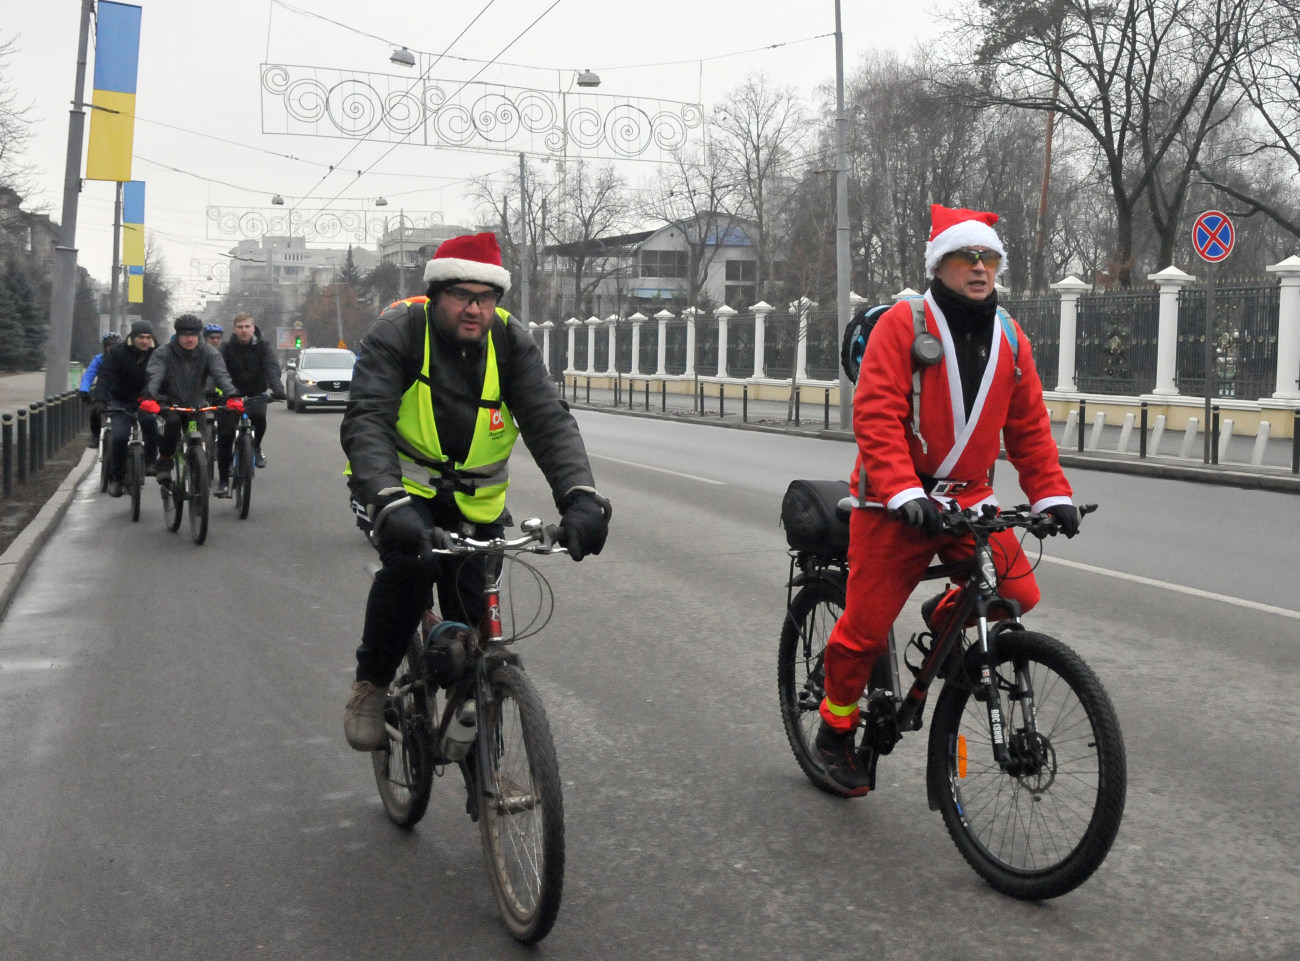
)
(1066, 517)
(584, 526)
(921, 513)
(400, 528)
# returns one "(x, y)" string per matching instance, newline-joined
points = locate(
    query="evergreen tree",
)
(28, 330)
(85, 320)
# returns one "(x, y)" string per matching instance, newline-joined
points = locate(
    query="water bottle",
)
(460, 733)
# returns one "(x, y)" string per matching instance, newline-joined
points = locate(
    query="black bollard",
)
(1142, 436)
(1214, 439)
(7, 449)
(744, 405)
(1083, 416)
(24, 443)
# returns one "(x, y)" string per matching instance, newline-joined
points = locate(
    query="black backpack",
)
(854, 344)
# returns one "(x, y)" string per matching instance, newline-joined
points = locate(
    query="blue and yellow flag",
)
(112, 125)
(135, 285)
(133, 223)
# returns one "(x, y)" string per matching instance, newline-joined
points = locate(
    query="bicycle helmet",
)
(187, 323)
(112, 337)
(213, 329)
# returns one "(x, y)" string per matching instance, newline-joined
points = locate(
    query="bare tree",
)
(592, 206)
(1146, 80)
(756, 132)
(15, 128)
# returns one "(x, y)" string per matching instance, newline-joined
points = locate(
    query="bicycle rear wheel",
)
(1041, 827)
(243, 479)
(135, 478)
(404, 770)
(173, 498)
(521, 811)
(197, 483)
(800, 677)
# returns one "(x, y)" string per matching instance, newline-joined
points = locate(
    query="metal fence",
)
(34, 434)
(1245, 339)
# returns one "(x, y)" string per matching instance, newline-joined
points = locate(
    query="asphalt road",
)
(176, 786)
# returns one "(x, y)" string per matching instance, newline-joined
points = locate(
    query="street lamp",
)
(588, 78)
(402, 57)
(278, 200)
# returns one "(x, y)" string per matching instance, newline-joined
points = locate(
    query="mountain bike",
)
(134, 468)
(492, 726)
(1025, 759)
(243, 463)
(189, 482)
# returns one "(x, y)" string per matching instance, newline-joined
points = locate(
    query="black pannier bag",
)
(808, 514)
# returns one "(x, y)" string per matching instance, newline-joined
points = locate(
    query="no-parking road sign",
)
(1213, 236)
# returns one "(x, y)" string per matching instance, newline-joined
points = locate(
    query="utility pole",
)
(114, 317)
(524, 266)
(842, 263)
(58, 341)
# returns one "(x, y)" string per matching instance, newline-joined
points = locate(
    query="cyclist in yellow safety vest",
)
(443, 386)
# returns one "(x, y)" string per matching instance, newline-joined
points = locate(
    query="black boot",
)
(844, 767)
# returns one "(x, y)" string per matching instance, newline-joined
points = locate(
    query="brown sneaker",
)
(363, 718)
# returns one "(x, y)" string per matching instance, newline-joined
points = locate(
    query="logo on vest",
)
(496, 424)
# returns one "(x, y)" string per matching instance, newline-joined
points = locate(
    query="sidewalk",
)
(1235, 470)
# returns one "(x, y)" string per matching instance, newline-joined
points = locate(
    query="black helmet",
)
(112, 337)
(187, 324)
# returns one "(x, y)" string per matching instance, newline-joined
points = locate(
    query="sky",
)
(201, 110)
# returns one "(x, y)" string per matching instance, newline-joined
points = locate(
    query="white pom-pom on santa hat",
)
(952, 228)
(475, 258)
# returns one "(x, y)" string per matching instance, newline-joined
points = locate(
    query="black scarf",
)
(971, 325)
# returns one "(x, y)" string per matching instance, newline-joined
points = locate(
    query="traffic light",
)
(297, 342)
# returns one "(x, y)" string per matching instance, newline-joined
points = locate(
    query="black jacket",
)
(252, 366)
(123, 375)
(391, 356)
(178, 376)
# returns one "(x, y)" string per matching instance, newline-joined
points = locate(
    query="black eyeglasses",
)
(461, 297)
(970, 256)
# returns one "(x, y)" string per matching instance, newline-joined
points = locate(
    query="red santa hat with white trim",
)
(952, 228)
(473, 258)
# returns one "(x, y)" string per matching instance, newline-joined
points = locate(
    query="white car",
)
(320, 376)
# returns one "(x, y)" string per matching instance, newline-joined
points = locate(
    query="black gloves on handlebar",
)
(921, 513)
(399, 528)
(1066, 517)
(584, 526)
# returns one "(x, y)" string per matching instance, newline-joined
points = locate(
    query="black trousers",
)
(122, 434)
(403, 588)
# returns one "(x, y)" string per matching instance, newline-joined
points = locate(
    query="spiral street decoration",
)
(325, 102)
(313, 226)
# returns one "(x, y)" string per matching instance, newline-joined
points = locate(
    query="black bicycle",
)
(134, 468)
(243, 463)
(189, 483)
(1025, 761)
(492, 726)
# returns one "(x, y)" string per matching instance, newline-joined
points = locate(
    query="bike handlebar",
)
(991, 519)
(537, 538)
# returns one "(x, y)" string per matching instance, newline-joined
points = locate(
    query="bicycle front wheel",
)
(173, 498)
(243, 479)
(521, 811)
(404, 770)
(105, 459)
(1041, 826)
(135, 478)
(197, 482)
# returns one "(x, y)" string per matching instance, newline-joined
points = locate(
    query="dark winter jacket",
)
(391, 360)
(123, 375)
(252, 366)
(177, 376)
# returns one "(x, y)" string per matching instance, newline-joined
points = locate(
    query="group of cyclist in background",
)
(134, 379)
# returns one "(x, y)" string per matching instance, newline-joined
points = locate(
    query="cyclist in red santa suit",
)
(984, 388)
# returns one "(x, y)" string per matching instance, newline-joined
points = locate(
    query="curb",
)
(24, 548)
(1274, 480)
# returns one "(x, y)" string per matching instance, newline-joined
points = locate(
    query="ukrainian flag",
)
(112, 126)
(135, 285)
(133, 223)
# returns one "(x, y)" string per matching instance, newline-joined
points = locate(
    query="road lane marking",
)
(1179, 588)
(662, 470)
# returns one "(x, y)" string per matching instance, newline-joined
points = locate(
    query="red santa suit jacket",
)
(957, 449)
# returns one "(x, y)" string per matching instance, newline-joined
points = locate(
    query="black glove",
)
(84, 395)
(1066, 517)
(584, 527)
(146, 395)
(277, 394)
(921, 513)
(400, 529)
